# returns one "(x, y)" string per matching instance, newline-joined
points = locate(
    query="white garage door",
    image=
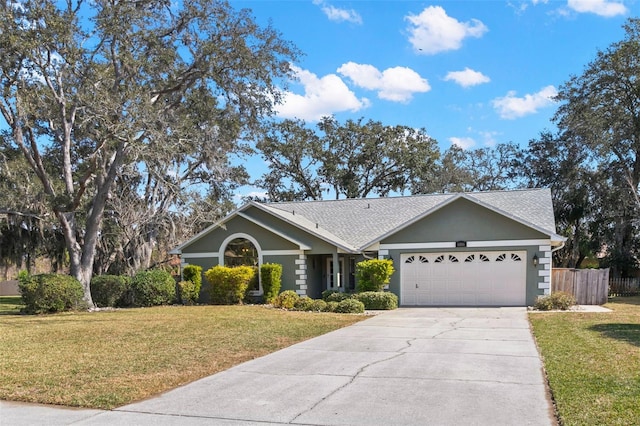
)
(472, 278)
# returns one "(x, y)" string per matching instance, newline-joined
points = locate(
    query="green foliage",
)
(558, 300)
(228, 286)
(350, 306)
(303, 304)
(271, 274)
(187, 293)
(377, 300)
(318, 305)
(50, 293)
(153, 287)
(331, 306)
(337, 297)
(327, 293)
(287, 299)
(193, 273)
(109, 290)
(374, 274)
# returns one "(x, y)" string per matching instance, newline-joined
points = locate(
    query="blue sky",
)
(473, 73)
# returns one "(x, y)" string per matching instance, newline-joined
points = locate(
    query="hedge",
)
(228, 286)
(153, 287)
(377, 300)
(271, 274)
(109, 290)
(50, 293)
(374, 274)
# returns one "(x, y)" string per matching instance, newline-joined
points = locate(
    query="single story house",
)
(484, 248)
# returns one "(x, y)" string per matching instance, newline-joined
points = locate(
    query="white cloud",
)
(433, 31)
(510, 106)
(396, 84)
(463, 143)
(322, 97)
(467, 78)
(338, 15)
(605, 8)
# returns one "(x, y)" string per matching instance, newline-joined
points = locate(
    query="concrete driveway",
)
(412, 366)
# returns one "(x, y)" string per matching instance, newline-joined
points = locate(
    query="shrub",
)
(318, 305)
(153, 287)
(559, 300)
(378, 300)
(303, 304)
(374, 274)
(350, 306)
(191, 273)
(287, 299)
(186, 293)
(331, 306)
(338, 297)
(228, 286)
(49, 293)
(109, 290)
(271, 274)
(327, 293)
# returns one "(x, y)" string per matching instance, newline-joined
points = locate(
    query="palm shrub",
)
(228, 286)
(271, 274)
(153, 287)
(109, 290)
(50, 293)
(374, 274)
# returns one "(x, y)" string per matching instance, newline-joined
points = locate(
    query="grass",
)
(593, 363)
(10, 305)
(111, 358)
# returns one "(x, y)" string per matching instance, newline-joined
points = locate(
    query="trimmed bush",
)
(109, 290)
(228, 286)
(327, 293)
(287, 299)
(378, 300)
(152, 288)
(559, 300)
(373, 275)
(350, 306)
(331, 307)
(271, 274)
(191, 273)
(318, 305)
(303, 304)
(50, 293)
(187, 293)
(338, 297)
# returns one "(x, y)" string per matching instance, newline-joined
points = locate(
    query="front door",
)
(331, 283)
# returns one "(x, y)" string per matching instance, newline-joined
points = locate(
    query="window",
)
(242, 252)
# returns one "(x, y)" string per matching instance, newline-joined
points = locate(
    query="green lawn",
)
(593, 363)
(10, 305)
(110, 358)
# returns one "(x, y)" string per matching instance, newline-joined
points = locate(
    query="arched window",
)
(241, 252)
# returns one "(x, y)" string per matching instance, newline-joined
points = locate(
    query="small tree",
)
(374, 274)
(189, 293)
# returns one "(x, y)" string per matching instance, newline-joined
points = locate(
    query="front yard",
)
(110, 358)
(593, 363)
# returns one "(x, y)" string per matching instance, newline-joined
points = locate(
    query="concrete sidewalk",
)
(412, 366)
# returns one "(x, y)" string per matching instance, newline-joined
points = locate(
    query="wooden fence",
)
(588, 286)
(624, 286)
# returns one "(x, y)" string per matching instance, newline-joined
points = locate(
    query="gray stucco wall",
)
(463, 220)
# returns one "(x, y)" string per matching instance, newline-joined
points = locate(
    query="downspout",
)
(553, 251)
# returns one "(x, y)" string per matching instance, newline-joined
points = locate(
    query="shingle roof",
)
(353, 224)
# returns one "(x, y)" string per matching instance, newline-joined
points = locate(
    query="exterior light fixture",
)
(535, 260)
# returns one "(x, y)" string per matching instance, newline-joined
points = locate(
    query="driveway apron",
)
(411, 366)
